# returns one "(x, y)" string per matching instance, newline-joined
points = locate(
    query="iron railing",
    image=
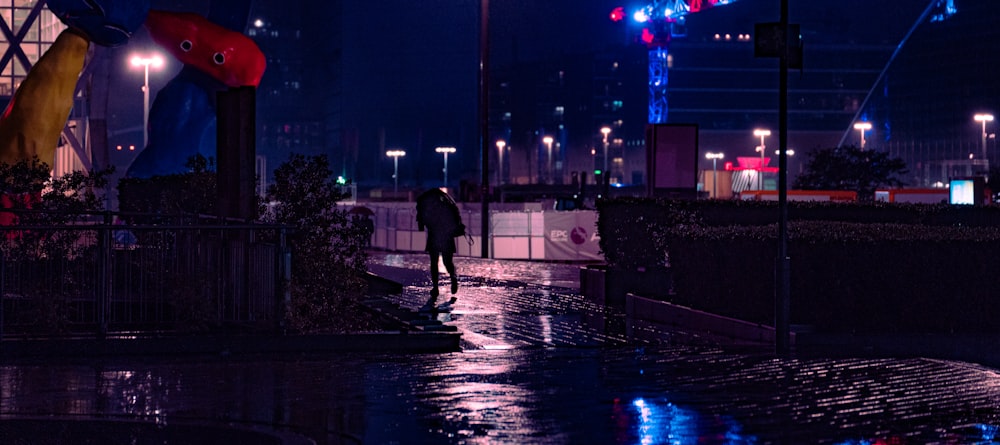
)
(98, 277)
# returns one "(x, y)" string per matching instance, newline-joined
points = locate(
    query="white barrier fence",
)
(513, 234)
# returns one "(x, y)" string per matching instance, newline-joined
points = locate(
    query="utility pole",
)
(484, 121)
(782, 306)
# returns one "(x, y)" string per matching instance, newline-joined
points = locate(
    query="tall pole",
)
(445, 151)
(395, 155)
(862, 127)
(715, 180)
(782, 327)
(762, 147)
(984, 118)
(156, 61)
(500, 145)
(548, 145)
(984, 139)
(484, 121)
(145, 105)
(715, 158)
(604, 173)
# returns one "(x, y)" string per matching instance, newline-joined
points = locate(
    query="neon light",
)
(647, 36)
(618, 14)
(658, 81)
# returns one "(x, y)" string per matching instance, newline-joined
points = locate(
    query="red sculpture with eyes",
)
(228, 56)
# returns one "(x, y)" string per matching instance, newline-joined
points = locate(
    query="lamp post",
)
(760, 173)
(500, 145)
(862, 127)
(445, 151)
(984, 118)
(145, 62)
(395, 155)
(548, 144)
(788, 160)
(604, 173)
(715, 158)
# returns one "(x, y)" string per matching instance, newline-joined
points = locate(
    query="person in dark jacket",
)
(438, 214)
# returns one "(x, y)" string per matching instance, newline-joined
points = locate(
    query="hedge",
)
(933, 268)
(845, 276)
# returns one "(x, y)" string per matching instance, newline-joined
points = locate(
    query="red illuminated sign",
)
(618, 14)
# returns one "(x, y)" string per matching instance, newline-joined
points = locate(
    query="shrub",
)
(329, 259)
(44, 265)
(634, 232)
(844, 276)
(193, 192)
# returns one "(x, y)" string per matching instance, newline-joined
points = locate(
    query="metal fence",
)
(98, 277)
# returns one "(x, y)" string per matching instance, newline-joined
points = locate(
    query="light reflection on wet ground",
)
(540, 369)
(542, 396)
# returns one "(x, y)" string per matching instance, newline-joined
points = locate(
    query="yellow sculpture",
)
(34, 118)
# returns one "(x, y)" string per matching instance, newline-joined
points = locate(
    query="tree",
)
(850, 168)
(329, 260)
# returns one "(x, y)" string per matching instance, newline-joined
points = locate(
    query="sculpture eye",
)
(186, 45)
(219, 58)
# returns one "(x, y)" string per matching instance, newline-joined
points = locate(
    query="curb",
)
(229, 345)
(734, 331)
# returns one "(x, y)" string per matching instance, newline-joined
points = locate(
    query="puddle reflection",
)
(666, 423)
(534, 395)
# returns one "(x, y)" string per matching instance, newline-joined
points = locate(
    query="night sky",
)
(409, 69)
(412, 69)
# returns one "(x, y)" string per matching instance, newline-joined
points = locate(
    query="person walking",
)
(438, 214)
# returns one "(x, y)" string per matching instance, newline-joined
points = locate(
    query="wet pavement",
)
(539, 365)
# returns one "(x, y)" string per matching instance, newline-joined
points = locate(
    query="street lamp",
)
(445, 151)
(145, 62)
(548, 144)
(715, 158)
(395, 154)
(604, 173)
(984, 118)
(760, 173)
(500, 145)
(862, 127)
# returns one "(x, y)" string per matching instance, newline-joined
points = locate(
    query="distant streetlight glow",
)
(862, 127)
(145, 62)
(395, 155)
(500, 145)
(762, 133)
(604, 172)
(445, 151)
(715, 158)
(984, 118)
(548, 144)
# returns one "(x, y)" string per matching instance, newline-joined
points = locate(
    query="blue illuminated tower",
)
(662, 20)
